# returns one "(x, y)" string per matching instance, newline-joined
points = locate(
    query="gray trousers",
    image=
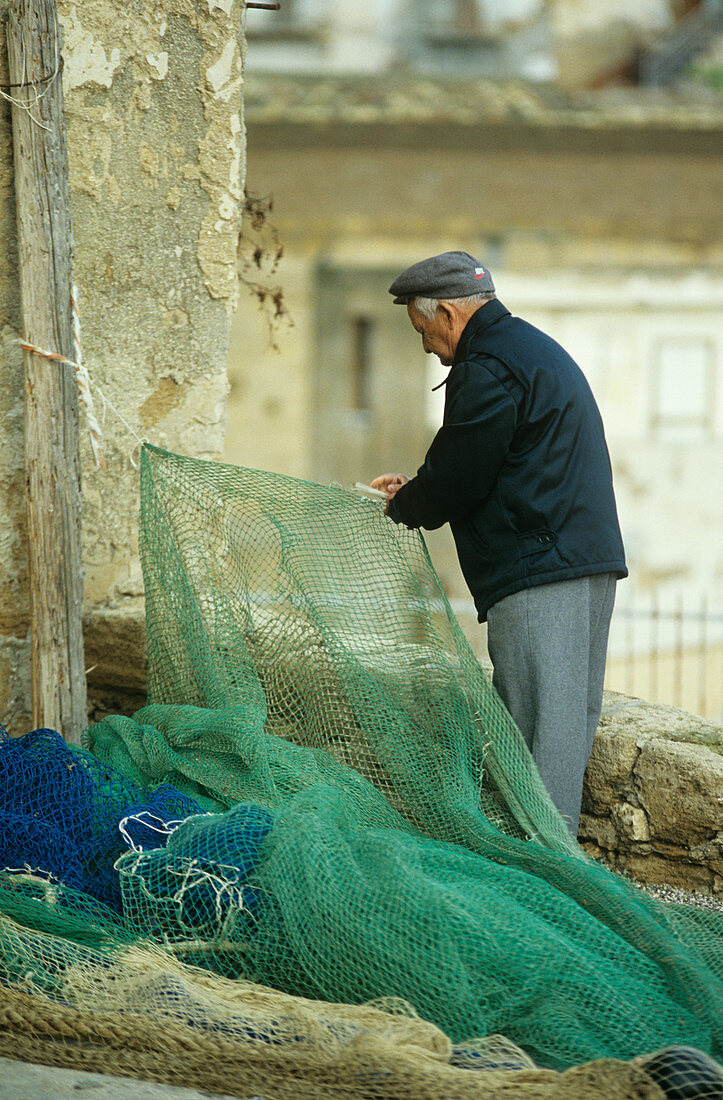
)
(548, 646)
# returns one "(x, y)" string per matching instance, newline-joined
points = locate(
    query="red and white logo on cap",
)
(479, 272)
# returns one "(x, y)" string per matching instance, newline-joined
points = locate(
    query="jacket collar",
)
(482, 319)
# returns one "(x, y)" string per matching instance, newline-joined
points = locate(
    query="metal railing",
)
(663, 649)
(668, 651)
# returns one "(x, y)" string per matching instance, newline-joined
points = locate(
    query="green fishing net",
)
(372, 832)
(304, 663)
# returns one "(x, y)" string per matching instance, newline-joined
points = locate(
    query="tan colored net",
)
(143, 1014)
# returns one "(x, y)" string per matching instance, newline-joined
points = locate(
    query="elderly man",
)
(520, 470)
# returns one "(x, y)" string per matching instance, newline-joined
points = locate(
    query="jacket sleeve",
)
(465, 457)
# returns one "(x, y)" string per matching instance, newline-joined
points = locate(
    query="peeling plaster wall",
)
(156, 143)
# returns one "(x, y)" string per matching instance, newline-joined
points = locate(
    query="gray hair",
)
(428, 306)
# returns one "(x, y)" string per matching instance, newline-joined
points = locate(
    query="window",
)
(361, 363)
(683, 386)
(368, 381)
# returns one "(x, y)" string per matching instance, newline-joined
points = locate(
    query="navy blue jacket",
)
(519, 469)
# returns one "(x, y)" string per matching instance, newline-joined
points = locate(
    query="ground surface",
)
(23, 1081)
(686, 897)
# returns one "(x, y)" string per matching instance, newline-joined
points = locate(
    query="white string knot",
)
(85, 384)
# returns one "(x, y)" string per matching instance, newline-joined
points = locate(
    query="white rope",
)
(367, 491)
(25, 106)
(163, 828)
(228, 895)
(83, 380)
(32, 872)
(55, 356)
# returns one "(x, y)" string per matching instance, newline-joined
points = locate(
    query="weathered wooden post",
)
(45, 248)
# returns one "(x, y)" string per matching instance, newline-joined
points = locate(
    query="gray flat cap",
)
(449, 275)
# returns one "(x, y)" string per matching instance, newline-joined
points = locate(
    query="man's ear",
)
(447, 314)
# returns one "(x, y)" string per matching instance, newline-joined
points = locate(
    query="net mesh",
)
(68, 816)
(362, 824)
(94, 997)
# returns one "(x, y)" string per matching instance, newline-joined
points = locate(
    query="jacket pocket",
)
(535, 542)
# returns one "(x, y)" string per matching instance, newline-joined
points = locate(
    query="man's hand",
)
(389, 483)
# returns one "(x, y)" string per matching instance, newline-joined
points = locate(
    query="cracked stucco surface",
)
(145, 52)
(154, 124)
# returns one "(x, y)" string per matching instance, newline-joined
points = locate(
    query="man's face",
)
(439, 335)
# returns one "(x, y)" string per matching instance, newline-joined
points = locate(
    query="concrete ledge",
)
(115, 655)
(653, 795)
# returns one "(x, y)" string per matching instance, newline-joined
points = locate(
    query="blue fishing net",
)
(67, 816)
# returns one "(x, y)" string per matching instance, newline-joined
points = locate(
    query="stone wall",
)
(653, 796)
(153, 98)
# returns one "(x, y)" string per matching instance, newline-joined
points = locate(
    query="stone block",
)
(593, 850)
(674, 851)
(630, 822)
(5, 673)
(115, 648)
(15, 686)
(711, 852)
(656, 870)
(600, 830)
(680, 786)
(609, 769)
(634, 717)
(653, 794)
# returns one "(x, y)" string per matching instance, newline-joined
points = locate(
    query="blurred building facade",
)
(598, 211)
(573, 43)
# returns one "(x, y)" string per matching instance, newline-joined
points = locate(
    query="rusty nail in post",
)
(269, 7)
